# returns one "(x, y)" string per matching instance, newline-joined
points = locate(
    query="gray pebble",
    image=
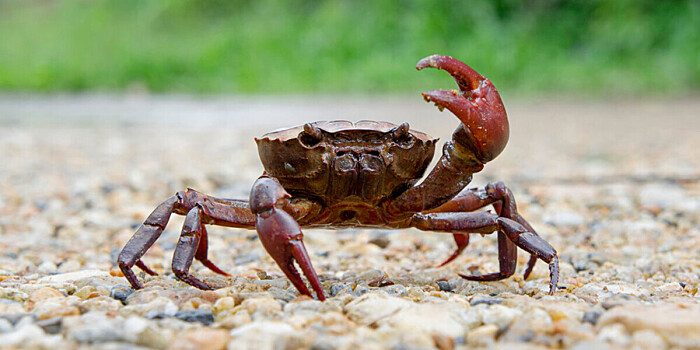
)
(485, 300)
(97, 333)
(51, 325)
(121, 293)
(396, 290)
(591, 316)
(445, 286)
(359, 290)
(203, 316)
(5, 325)
(338, 288)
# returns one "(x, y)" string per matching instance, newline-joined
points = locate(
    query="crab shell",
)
(340, 161)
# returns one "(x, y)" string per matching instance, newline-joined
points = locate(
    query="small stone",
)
(98, 332)
(591, 316)
(369, 275)
(74, 276)
(396, 290)
(485, 300)
(103, 304)
(5, 325)
(201, 338)
(51, 325)
(46, 267)
(500, 315)
(42, 294)
(482, 336)
(445, 286)
(615, 334)
(147, 333)
(224, 304)
(267, 335)
(21, 336)
(373, 306)
(205, 317)
(45, 311)
(281, 294)
(341, 287)
(262, 308)
(69, 266)
(648, 339)
(161, 309)
(678, 323)
(380, 241)
(361, 290)
(670, 287)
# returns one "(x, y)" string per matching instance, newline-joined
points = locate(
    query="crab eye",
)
(402, 135)
(311, 135)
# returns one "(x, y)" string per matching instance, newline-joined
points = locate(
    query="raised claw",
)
(477, 105)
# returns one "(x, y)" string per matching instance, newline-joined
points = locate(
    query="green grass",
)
(540, 46)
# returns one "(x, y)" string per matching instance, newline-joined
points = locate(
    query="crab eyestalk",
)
(477, 104)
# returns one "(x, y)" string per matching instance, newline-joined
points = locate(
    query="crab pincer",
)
(281, 235)
(477, 104)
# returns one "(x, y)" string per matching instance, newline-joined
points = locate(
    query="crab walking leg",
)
(232, 213)
(462, 241)
(187, 246)
(143, 239)
(484, 222)
(503, 201)
(281, 235)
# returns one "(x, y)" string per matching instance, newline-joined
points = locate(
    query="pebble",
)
(499, 315)
(97, 332)
(5, 325)
(74, 276)
(591, 316)
(205, 317)
(679, 323)
(22, 335)
(482, 336)
(121, 293)
(267, 335)
(201, 338)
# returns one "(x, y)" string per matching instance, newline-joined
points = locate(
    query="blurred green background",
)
(590, 47)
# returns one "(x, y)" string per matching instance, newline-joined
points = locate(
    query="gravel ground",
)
(614, 187)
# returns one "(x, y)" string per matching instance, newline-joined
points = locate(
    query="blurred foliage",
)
(299, 46)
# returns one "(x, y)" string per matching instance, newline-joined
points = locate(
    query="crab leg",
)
(232, 213)
(511, 234)
(281, 235)
(496, 194)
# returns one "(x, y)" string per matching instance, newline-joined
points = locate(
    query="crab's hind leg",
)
(281, 235)
(503, 201)
(511, 234)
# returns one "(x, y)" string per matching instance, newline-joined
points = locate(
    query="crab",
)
(340, 174)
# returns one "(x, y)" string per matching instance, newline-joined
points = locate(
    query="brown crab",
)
(341, 174)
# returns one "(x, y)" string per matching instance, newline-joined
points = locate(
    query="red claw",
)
(281, 235)
(478, 105)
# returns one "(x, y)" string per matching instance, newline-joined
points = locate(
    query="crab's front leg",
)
(479, 138)
(281, 235)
